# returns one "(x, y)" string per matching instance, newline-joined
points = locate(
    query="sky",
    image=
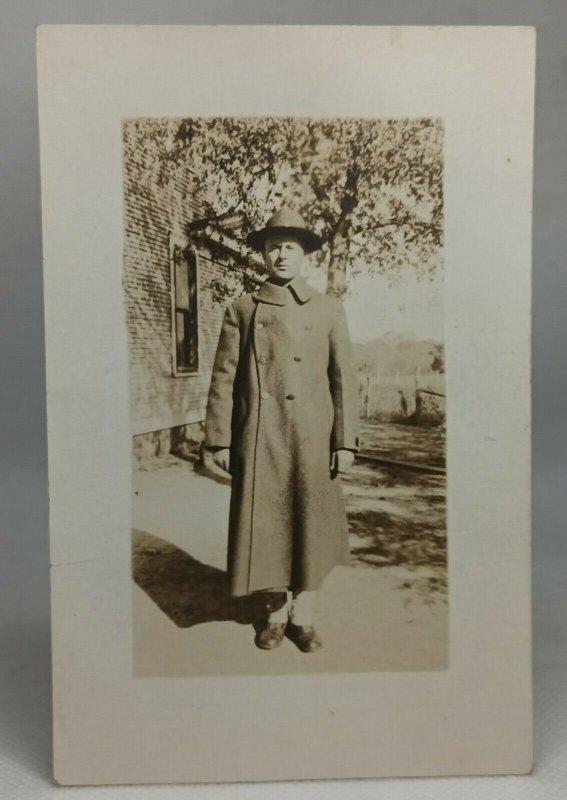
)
(412, 307)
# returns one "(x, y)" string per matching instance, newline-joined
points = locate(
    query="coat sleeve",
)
(218, 421)
(343, 385)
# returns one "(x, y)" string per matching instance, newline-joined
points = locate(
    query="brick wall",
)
(155, 218)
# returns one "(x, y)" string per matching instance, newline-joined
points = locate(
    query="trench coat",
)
(282, 397)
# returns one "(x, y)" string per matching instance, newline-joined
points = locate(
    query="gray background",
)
(25, 706)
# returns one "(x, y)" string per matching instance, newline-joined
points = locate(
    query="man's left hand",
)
(341, 460)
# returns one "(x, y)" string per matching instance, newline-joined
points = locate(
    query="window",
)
(185, 311)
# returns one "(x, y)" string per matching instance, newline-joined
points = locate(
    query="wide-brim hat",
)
(286, 221)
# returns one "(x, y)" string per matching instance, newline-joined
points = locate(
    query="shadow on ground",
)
(206, 469)
(188, 591)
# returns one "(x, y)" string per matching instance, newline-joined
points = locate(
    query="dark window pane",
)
(180, 339)
(186, 312)
(192, 343)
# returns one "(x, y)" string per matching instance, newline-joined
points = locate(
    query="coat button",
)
(259, 325)
(297, 358)
(262, 360)
(265, 395)
(290, 397)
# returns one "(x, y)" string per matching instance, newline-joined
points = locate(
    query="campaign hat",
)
(286, 220)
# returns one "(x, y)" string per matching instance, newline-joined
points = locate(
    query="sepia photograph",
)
(287, 372)
(284, 294)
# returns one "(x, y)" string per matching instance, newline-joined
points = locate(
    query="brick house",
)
(178, 277)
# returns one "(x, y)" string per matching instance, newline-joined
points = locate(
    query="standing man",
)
(282, 418)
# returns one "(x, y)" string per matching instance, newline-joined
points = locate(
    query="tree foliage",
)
(372, 188)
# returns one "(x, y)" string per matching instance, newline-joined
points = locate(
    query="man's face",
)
(284, 256)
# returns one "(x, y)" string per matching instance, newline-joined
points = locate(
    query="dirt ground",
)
(397, 514)
(387, 611)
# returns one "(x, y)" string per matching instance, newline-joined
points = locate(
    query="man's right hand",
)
(222, 459)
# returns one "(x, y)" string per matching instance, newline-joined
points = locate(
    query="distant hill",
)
(395, 353)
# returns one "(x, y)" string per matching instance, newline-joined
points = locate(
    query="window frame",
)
(175, 246)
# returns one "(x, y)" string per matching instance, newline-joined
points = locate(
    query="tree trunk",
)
(340, 238)
(337, 273)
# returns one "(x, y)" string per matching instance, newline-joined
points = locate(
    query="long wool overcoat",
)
(282, 398)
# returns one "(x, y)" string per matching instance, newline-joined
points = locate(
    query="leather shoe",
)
(305, 637)
(271, 636)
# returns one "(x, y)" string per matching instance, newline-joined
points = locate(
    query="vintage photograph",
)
(283, 290)
(287, 326)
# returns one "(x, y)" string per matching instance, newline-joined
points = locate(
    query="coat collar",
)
(270, 292)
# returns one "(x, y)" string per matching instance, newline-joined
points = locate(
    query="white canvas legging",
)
(298, 608)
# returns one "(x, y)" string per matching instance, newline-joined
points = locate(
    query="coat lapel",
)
(301, 289)
(277, 295)
(271, 293)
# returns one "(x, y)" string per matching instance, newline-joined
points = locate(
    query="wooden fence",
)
(403, 397)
